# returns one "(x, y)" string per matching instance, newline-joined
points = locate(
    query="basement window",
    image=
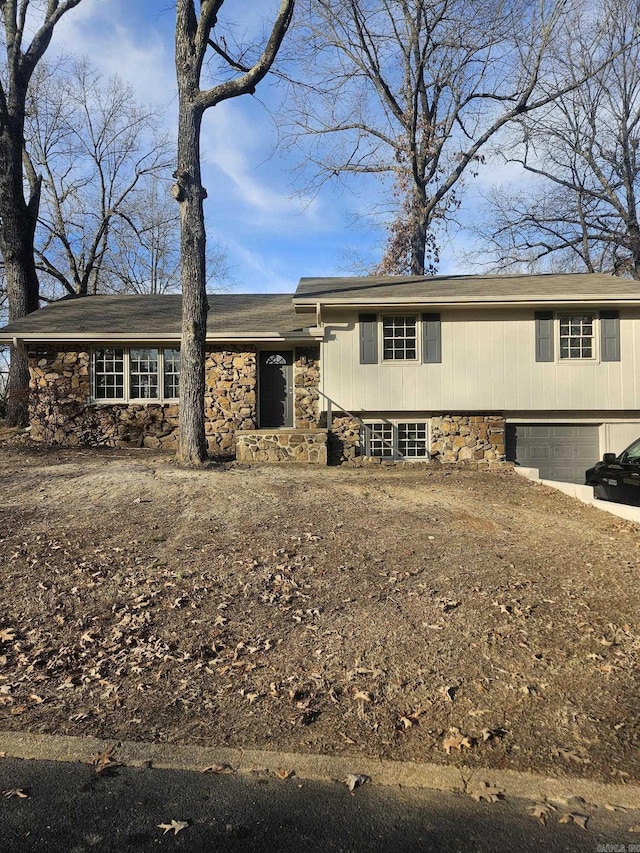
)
(402, 440)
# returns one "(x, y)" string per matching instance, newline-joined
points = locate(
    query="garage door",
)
(559, 451)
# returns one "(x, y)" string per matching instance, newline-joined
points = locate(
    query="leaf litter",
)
(267, 615)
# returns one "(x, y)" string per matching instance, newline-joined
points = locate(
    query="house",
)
(538, 369)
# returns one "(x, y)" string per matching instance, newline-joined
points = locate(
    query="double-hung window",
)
(577, 336)
(146, 374)
(581, 336)
(399, 338)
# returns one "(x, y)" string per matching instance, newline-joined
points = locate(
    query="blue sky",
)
(272, 235)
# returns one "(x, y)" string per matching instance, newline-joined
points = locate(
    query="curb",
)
(408, 774)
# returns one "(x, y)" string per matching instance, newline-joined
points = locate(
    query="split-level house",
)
(543, 370)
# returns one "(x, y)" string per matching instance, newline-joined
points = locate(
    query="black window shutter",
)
(544, 336)
(609, 336)
(368, 338)
(431, 339)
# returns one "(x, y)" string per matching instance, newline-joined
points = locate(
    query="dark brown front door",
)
(276, 389)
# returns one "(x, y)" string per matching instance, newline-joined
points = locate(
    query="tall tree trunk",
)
(189, 192)
(419, 228)
(17, 228)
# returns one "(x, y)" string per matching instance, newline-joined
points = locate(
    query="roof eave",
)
(477, 302)
(158, 337)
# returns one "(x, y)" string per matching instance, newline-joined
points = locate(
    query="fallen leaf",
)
(175, 825)
(573, 817)
(7, 635)
(354, 780)
(362, 695)
(493, 734)
(219, 768)
(487, 793)
(542, 811)
(457, 741)
(104, 760)
(15, 792)
(283, 774)
(635, 828)
(570, 755)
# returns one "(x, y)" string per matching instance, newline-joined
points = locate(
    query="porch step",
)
(282, 445)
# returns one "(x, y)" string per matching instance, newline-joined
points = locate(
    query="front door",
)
(276, 389)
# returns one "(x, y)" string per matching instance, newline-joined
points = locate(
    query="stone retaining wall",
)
(283, 445)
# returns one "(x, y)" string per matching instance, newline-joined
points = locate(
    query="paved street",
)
(73, 809)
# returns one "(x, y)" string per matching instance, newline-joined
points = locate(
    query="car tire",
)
(600, 492)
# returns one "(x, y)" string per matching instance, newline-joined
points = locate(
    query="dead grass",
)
(428, 614)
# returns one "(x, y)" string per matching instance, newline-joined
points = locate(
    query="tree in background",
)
(413, 90)
(99, 153)
(580, 208)
(146, 259)
(27, 31)
(199, 34)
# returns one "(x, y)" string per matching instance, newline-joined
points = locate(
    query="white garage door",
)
(559, 451)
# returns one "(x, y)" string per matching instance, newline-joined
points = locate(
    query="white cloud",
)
(103, 32)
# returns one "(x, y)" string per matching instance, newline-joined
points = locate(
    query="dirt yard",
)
(425, 613)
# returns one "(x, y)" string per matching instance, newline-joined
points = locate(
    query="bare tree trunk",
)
(192, 448)
(194, 35)
(17, 229)
(17, 216)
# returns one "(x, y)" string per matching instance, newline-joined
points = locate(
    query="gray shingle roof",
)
(468, 288)
(229, 314)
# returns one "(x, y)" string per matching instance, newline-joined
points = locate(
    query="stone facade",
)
(454, 438)
(468, 438)
(231, 378)
(283, 445)
(62, 411)
(344, 439)
(306, 380)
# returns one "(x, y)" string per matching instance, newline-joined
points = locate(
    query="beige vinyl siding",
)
(488, 364)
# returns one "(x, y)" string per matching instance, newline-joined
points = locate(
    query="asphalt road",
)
(73, 809)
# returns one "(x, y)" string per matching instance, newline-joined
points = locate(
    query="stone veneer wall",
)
(468, 438)
(282, 445)
(306, 380)
(454, 438)
(61, 413)
(230, 396)
(344, 439)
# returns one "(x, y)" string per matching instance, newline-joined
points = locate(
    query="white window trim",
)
(394, 424)
(127, 398)
(595, 357)
(395, 314)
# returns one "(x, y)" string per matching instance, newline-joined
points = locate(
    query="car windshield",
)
(632, 453)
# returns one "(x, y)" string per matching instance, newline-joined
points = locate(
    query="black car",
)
(617, 478)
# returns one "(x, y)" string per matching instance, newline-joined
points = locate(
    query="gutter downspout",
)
(17, 344)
